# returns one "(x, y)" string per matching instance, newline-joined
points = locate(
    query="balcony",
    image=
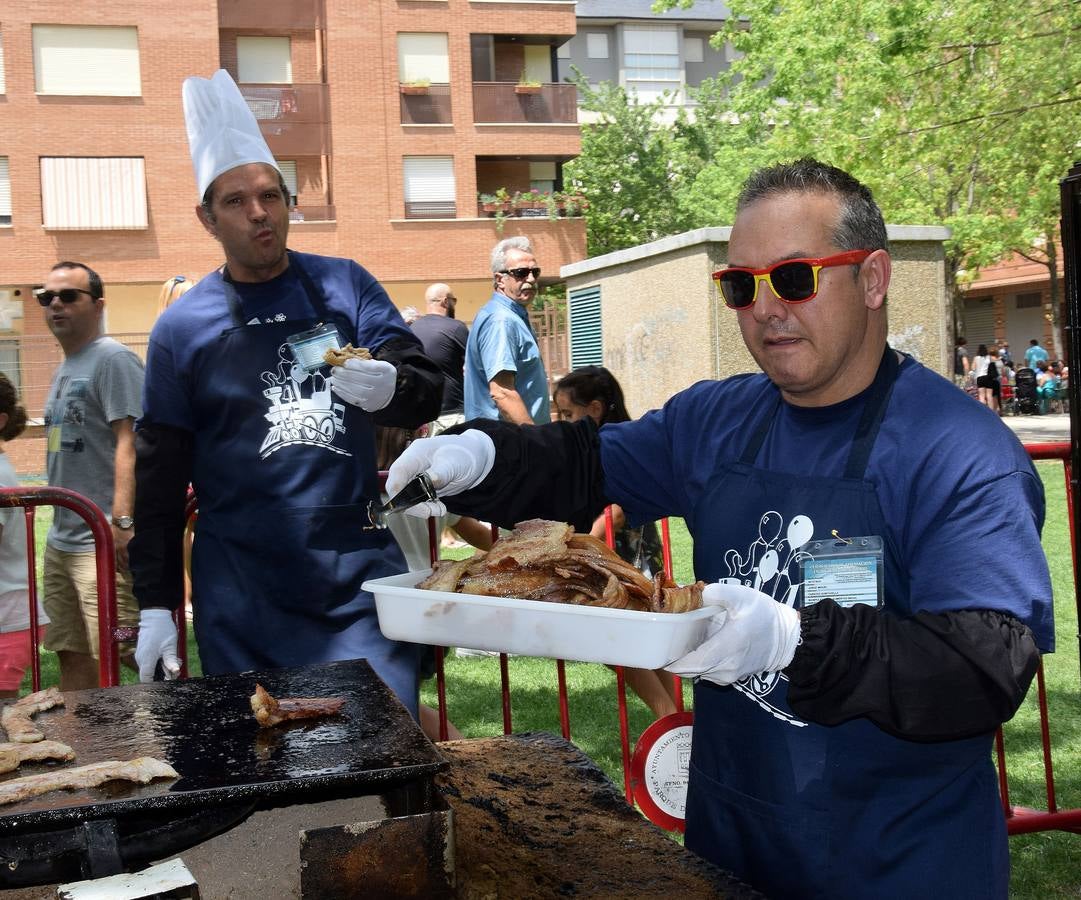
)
(425, 104)
(507, 103)
(300, 15)
(294, 118)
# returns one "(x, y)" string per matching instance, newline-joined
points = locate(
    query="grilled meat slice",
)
(143, 770)
(16, 717)
(270, 712)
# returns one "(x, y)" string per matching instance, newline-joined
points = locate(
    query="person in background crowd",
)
(960, 362)
(1034, 353)
(843, 728)
(593, 391)
(504, 373)
(279, 448)
(172, 290)
(985, 378)
(90, 413)
(15, 639)
(1004, 354)
(1048, 382)
(444, 339)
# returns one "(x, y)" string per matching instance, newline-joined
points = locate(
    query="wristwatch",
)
(124, 523)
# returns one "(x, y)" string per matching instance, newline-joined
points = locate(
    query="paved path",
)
(1040, 429)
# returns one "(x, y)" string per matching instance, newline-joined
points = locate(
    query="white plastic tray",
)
(618, 637)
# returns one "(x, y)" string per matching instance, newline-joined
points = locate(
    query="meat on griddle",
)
(16, 717)
(270, 712)
(13, 755)
(542, 560)
(143, 770)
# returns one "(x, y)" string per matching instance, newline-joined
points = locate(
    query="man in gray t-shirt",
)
(93, 402)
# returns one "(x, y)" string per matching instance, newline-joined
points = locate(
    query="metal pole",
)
(1070, 193)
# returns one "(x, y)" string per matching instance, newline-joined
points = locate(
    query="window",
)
(288, 168)
(93, 192)
(429, 187)
(651, 60)
(3, 87)
(596, 45)
(693, 50)
(264, 60)
(1029, 301)
(9, 361)
(584, 325)
(542, 175)
(563, 51)
(5, 192)
(423, 57)
(86, 60)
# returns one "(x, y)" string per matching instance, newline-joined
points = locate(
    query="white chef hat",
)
(222, 131)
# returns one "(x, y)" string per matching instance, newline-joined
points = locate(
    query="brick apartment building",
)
(389, 118)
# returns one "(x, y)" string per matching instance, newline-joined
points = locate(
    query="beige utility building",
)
(652, 315)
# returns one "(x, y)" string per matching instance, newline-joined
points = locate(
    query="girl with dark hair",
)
(15, 643)
(593, 391)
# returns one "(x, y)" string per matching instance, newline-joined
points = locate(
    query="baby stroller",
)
(1025, 395)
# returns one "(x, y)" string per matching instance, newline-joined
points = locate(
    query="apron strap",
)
(315, 296)
(874, 411)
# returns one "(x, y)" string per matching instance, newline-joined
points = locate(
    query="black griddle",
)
(228, 765)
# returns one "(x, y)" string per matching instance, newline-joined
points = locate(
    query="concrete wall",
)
(664, 326)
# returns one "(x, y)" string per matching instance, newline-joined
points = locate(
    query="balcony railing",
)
(294, 118)
(306, 213)
(508, 103)
(425, 105)
(296, 14)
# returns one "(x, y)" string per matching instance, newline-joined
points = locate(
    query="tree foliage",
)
(957, 112)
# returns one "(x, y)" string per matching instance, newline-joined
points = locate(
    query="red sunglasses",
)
(791, 280)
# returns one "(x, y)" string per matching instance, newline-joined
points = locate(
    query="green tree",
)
(960, 112)
(631, 171)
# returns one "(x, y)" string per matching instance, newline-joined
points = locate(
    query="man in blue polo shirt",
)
(504, 372)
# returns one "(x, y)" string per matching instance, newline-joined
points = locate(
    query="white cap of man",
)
(222, 131)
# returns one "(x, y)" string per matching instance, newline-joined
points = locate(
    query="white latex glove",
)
(750, 633)
(367, 383)
(454, 462)
(157, 640)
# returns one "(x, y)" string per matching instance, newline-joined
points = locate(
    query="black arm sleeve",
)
(930, 677)
(163, 463)
(418, 395)
(548, 471)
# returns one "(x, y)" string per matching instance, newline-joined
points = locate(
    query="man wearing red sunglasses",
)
(859, 661)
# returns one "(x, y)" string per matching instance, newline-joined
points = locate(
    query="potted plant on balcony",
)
(416, 86)
(527, 86)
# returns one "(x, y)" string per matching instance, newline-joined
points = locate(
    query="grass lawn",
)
(1044, 864)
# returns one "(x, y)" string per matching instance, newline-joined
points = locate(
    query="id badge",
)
(849, 571)
(309, 346)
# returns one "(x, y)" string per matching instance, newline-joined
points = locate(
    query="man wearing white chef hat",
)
(858, 664)
(280, 452)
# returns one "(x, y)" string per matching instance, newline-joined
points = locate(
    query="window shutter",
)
(979, 322)
(5, 192)
(584, 325)
(264, 60)
(86, 60)
(429, 187)
(3, 85)
(288, 168)
(93, 193)
(423, 56)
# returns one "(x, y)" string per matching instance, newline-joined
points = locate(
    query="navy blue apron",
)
(802, 810)
(284, 471)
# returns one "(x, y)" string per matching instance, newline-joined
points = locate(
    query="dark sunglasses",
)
(66, 295)
(522, 272)
(791, 280)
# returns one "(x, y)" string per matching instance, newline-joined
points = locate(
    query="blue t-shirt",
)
(354, 299)
(1034, 354)
(500, 340)
(967, 524)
